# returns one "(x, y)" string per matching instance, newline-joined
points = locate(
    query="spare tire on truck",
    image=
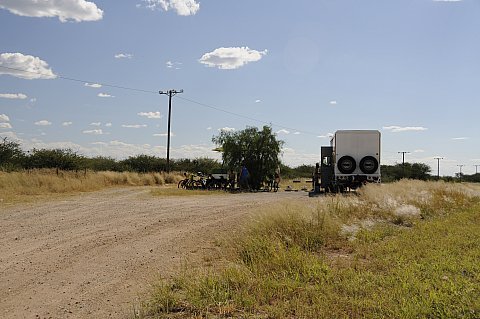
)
(369, 165)
(346, 164)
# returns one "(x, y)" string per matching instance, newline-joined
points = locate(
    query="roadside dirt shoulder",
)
(91, 255)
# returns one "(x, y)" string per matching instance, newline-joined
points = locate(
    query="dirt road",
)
(91, 255)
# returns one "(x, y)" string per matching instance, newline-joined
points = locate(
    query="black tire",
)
(346, 164)
(369, 165)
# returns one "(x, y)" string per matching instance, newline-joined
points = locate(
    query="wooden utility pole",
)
(403, 162)
(170, 94)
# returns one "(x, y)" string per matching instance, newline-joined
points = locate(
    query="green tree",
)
(258, 150)
(11, 154)
(64, 159)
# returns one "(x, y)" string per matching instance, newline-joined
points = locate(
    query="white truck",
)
(351, 160)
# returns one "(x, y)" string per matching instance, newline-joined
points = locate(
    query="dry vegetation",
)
(28, 185)
(403, 250)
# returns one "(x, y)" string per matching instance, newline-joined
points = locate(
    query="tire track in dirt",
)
(91, 255)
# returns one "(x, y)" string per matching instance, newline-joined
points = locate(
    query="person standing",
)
(244, 176)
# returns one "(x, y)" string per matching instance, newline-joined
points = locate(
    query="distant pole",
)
(460, 174)
(438, 166)
(403, 162)
(476, 169)
(170, 94)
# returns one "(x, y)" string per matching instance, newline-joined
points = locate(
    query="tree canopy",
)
(258, 150)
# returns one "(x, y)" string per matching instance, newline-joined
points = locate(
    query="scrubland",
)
(403, 250)
(29, 185)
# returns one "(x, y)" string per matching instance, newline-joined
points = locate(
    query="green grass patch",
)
(299, 262)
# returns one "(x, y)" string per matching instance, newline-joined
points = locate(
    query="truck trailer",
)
(351, 160)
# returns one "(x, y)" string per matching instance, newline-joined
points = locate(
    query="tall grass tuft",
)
(16, 186)
(392, 251)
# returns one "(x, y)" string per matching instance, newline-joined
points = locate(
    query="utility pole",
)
(170, 94)
(476, 169)
(460, 174)
(438, 166)
(403, 162)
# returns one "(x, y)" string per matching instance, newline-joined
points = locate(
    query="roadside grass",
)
(26, 186)
(403, 250)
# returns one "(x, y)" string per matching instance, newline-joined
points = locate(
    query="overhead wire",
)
(157, 92)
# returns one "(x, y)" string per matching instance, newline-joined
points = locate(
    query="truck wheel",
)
(346, 164)
(369, 164)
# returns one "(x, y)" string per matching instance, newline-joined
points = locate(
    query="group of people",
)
(242, 179)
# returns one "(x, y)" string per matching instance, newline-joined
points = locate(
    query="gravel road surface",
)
(92, 255)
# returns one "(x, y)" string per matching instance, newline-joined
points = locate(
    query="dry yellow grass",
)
(26, 185)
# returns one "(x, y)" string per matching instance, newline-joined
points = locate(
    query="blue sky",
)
(408, 68)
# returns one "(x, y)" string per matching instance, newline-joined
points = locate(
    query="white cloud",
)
(25, 66)
(283, 131)
(104, 95)
(13, 96)
(67, 123)
(333, 102)
(76, 10)
(182, 7)
(151, 115)
(33, 100)
(231, 58)
(460, 138)
(93, 85)
(209, 128)
(328, 135)
(123, 56)
(447, 0)
(94, 132)
(108, 124)
(226, 129)
(419, 151)
(4, 118)
(134, 125)
(43, 123)
(296, 133)
(95, 123)
(5, 125)
(396, 129)
(164, 134)
(258, 101)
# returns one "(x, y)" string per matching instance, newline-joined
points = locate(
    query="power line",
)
(403, 162)
(156, 92)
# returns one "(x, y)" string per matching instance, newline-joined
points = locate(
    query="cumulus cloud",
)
(226, 129)
(397, 129)
(134, 125)
(43, 123)
(4, 118)
(76, 10)
(95, 123)
(164, 134)
(67, 123)
(171, 65)
(13, 96)
(93, 85)
(106, 95)
(333, 102)
(108, 124)
(123, 56)
(283, 131)
(25, 66)
(258, 101)
(93, 132)
(181, 7)
(5, 125)
(231, 58)
(151, 115)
